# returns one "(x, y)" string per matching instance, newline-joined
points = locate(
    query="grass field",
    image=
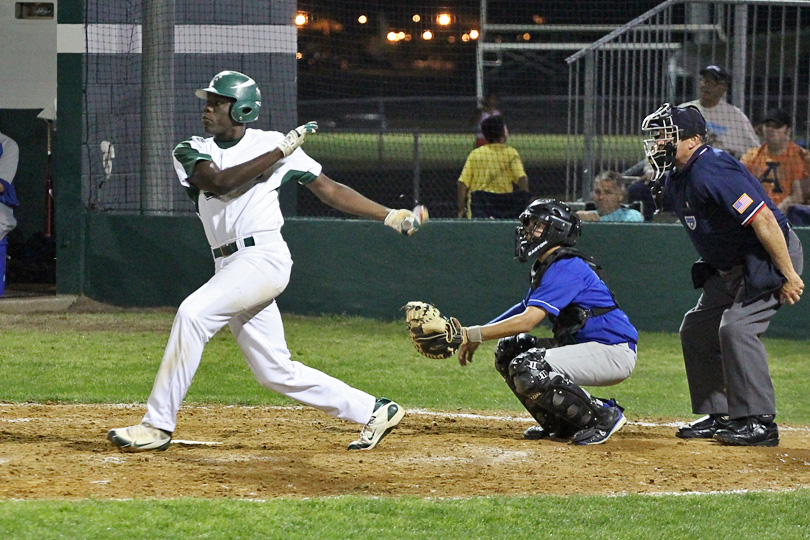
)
(112, 358)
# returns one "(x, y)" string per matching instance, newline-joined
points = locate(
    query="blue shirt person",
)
(749, 266)
(594, 343)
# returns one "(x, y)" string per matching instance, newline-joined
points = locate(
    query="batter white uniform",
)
(252, 267)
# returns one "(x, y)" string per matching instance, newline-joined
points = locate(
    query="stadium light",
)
(444, 19)
(473, 34)
(392, 36)
(301, 18)
(362, 19)
(427, 35)
(416, 18)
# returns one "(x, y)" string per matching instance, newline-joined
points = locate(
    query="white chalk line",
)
(417, 411)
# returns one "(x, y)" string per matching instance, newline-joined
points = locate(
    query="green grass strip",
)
(781, 516)
(113, 358)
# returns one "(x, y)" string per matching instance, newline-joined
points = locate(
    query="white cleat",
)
(385, 417)
(139, 438)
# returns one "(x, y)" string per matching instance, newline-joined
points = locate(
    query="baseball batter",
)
(234, 176)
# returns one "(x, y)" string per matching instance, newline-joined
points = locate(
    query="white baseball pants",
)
(242, 294)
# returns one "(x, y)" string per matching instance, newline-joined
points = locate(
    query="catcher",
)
(594, 343)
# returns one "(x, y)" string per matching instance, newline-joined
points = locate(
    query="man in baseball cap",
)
(780, 164)
(750, 261)
(718, 73)
(777, 117)
(728, 128)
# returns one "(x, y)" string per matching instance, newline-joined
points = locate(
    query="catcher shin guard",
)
(507, 349)
(553, 393)
(551, 425)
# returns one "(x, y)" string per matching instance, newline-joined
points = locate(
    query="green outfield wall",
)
(361, 268)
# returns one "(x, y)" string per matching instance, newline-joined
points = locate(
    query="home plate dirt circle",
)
(60, 451)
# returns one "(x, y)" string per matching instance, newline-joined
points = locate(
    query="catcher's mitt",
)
(433, 334)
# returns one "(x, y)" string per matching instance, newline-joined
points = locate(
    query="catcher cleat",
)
(139, 438)
(613, 420)
(703, 428)
(563, 431)
(750, 431)
(385, 417)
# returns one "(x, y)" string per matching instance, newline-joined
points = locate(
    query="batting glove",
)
(295, 138)
(406, 221)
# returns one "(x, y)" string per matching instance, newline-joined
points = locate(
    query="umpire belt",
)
(229, 249)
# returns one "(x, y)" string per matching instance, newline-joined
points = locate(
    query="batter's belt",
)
(248, 241)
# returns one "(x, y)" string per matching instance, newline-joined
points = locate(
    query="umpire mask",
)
(664, 129)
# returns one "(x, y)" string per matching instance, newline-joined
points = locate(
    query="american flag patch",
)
(742, 203)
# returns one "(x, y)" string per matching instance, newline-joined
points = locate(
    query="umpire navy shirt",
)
(716, 198)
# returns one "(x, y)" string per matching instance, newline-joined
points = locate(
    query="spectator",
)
(486, 187)
(779, 163)
(488, 108)
(609, 195)
(9, 157)
(727, 126)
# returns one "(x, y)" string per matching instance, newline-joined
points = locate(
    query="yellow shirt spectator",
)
(494, 168)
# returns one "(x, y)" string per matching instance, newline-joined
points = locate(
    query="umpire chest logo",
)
(690, 221)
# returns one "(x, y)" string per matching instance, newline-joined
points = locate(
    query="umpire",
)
(749, 266)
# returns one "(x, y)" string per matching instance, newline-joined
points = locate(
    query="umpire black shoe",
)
(758, 430)
(703, 428)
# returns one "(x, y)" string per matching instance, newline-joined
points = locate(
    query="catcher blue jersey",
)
(572, 281)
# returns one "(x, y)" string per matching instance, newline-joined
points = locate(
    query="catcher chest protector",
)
(240, 87)
(542, 388)
(572, 318)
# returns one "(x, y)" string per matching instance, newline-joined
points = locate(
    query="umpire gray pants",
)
(726, 362)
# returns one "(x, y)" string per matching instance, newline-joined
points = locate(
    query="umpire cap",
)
(689, 120)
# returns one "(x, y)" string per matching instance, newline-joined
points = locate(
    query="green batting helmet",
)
(240, 87)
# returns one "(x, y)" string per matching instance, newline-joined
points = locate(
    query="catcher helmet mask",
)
(663, 131)
(241, 88)
(562, 228)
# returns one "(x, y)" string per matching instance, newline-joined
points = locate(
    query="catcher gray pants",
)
(592, 363)
(726, 362)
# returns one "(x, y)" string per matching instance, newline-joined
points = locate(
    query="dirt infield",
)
(60, 451)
